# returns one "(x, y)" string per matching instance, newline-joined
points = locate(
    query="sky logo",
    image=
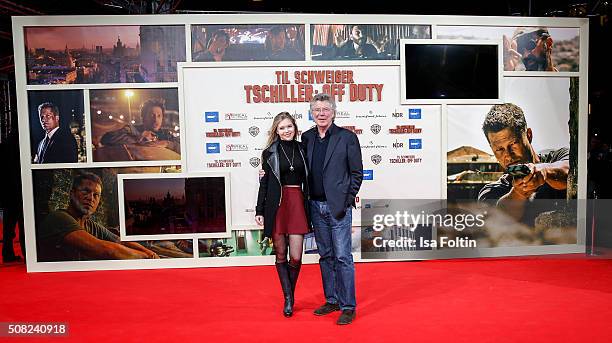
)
(368, 174)
(213, 148)
(414, 113)
(415, 143)
(211, 117)
(310, 116)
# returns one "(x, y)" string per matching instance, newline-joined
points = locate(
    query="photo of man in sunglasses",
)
(529, 49)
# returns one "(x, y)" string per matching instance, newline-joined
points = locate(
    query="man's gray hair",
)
(323, 97)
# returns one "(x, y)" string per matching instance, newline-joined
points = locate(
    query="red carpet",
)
(503, 300)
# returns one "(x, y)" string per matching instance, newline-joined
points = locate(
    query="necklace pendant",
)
(291, 168)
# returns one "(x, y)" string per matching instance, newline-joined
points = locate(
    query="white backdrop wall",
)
(219, 88)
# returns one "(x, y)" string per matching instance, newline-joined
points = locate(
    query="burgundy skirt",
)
(291, 216)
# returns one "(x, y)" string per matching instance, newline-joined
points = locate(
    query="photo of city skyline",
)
(103, 54)
(174, 205)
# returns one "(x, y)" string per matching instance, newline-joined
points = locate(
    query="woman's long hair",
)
(272, 135)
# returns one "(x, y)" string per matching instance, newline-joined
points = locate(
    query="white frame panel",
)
(500, 72)
(121, 201)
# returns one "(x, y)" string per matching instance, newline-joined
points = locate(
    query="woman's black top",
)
(289, 155)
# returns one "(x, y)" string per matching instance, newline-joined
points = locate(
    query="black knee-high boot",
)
(294, 273)
(283, 276)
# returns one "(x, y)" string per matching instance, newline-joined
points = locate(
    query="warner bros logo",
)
(254, 131)
(254, 161)
(376, 159)
(375, 129)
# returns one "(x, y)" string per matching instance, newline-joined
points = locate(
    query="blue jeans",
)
(334, 244)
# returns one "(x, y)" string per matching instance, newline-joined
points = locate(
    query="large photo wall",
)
(103, 101)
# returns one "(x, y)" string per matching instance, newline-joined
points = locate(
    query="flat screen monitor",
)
(451, 71)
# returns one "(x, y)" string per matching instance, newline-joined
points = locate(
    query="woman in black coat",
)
(282, 201)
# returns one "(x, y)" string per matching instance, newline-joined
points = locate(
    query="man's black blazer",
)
(61, 149)
(342, 168)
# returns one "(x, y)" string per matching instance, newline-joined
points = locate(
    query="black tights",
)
(295, 243)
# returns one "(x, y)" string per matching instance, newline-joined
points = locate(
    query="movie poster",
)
(362, 41)
(57, 126)
(136, 124)
(217, 43)
(514, 161)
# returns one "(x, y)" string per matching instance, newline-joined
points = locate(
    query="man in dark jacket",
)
(336, 172)
(59, 145)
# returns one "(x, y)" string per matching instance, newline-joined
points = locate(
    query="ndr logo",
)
(211, 117)
(368, 174)
(213, 148)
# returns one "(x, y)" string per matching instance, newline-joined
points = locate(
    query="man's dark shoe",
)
(327, 308)
(346, 317)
